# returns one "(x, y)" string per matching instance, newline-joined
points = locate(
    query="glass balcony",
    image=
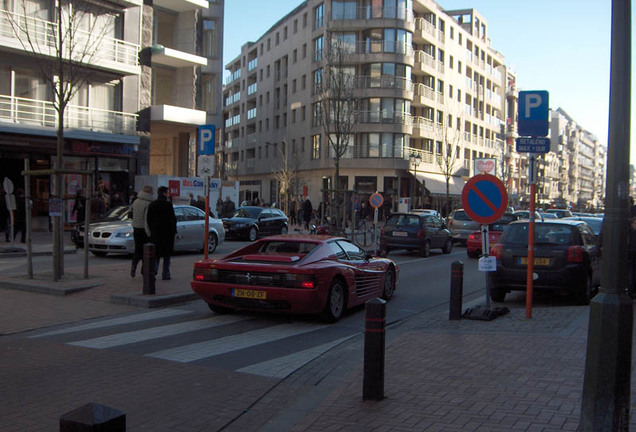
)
(88, 48)
(42, 113)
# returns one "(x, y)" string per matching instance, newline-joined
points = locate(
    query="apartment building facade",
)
(183, 48)
(101, 117)
(149, 75)
(430, 90)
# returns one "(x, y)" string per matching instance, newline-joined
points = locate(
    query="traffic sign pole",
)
(485, 251)
(530, 271)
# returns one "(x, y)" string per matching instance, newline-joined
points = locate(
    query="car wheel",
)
(426, 249)
(99, 254)
(283, 230)
(252, 234)
(584, 293)
(219, 309)
(335, 302)
(448, 247)
(497, 294)
(472, 254)
(389, 284)
(213, 242)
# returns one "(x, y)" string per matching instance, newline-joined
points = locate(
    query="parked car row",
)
(115, 236)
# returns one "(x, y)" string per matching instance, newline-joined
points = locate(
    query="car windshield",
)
(247, 212)
(461, 215)
(501, 223)
(286, 247)
(403, 220)
(546, 234)
(117, 212)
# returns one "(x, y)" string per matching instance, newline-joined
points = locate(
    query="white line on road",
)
(281, 367)
(165, 313)
(197, 351)
(126, 338)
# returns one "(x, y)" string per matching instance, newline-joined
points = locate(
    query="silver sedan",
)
(117, 237)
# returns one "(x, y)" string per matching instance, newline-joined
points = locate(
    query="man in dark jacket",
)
(163, 228)
(307, 212)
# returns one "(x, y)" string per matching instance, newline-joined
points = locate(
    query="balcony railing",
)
(385, 118)
(233, 76)
(385, 82)
(87, 47)
(253, 64)
(374, 12)
(42, 113)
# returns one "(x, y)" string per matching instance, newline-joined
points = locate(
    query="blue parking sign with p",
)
(534, 113)
(206, 140)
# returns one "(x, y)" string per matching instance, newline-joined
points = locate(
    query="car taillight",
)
(496, 250)
(300, 281)
(473, 236)
(205, 274)
(575, 254)
(450, 223)
(420, 233)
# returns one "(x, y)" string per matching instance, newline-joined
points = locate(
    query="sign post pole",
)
(485, 251)
(530, 271)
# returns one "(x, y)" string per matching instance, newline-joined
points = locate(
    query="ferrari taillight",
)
(294, 280)
(205, 274)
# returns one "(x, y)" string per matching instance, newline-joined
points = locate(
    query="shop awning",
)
(436, 183)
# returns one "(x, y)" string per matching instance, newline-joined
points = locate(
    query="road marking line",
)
(165, 313)
(127, 338)
(282, 367)
(198, 351)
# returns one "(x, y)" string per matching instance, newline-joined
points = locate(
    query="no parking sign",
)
(484, 198)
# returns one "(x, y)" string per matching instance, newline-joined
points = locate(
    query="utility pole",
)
(607, 384)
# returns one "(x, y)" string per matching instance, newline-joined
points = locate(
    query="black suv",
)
(566, 259)
(250, 222)
(415, 231)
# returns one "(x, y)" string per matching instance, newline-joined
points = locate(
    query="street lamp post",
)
(415, 159)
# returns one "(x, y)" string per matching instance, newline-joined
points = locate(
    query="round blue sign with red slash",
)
(376, 200)
(484, 198)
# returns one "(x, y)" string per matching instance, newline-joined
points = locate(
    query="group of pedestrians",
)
(153, 221)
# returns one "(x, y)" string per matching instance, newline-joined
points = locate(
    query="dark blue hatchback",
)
(415, 231)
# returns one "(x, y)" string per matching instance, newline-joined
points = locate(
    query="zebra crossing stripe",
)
(130, 319)
(126, 338)
(198, 351)
(282, 367)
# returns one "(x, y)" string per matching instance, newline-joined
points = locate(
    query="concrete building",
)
(183, 47)
(100, 120)
(430, 92)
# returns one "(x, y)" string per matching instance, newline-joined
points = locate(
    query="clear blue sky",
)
(562, 46)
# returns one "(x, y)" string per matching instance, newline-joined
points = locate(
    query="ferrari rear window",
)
(286, 247)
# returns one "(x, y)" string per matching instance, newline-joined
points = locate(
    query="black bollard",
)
(93, 417)
(149, 268)
(456, 290)
(373, 384)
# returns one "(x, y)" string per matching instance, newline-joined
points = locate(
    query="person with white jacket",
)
(141, 230)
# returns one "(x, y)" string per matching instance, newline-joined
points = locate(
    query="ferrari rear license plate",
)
(537, 261)
(253, 294)
(400, 234)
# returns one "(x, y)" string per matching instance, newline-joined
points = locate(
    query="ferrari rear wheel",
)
(335, 302)
(389, 284)
(219, 309)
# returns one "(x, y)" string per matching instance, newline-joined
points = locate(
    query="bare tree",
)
(287, 173)
(450, 137)
(63, 49)
(337, 107)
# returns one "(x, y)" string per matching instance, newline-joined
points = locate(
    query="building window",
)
(344, 9)
(317, 81)
(319, 15)
(295, 26)
(315, 146)
(209, 99)
(318, 45)
(210, 38)
(317, 115)
(305, 20)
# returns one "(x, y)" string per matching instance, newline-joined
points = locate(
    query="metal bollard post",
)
(373, 383)
(93, 417)
(456, 290)
(149, 268)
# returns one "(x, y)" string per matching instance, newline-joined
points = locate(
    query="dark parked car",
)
(473, 244)
(415, 231)
(596, 223)
(253, 222)
(566, 259)
(561, 213)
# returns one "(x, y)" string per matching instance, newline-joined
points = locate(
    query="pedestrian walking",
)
(307, 212)
(141, 230)
(4, 215)
(19, 221)
(219, 208)
(163, 228)
(98, 206)
(293, 208)
(228, 207)
(79, 206)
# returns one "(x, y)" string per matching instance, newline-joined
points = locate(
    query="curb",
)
(20, 252)
(50, 290)
(151, 301)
